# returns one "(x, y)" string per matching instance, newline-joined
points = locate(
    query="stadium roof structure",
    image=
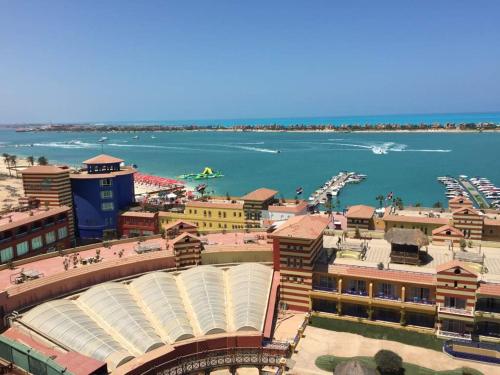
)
(114, 322)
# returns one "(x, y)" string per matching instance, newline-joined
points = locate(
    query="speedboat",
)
(135, 137)
(102, 139)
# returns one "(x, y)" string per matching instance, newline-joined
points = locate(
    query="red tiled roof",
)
(304, 226)
(234, 206)
(360, 212)
(178, 222)
(453, 264)
(301, 206)
(261, 194)
(44, 169)
(103, 159)
(416, 219)
(182, 236)
(150, 215)
(37, 215)
(390, 275)
(489, 289)
(454, 231)
(469, 209)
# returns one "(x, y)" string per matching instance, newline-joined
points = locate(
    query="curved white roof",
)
(205, 291)
(163, 302)
(113, 306)
(65, 322)
(114, 322)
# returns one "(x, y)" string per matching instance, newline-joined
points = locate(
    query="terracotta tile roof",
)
(182, 236)
(197, 204)
(103, 159)
(235, 248)
(360, 212)
(150, 215)
(459, 199)
(455, 263)
(44, 169)
(26, 218)
(261, 194)
(489, 289)
(416, 219)
(178, 222)
(289, 208)
(389, 275)
(454, 231)
(492, 222)
(307, 227)
(467, 209)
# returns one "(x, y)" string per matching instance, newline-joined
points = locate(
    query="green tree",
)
(398, 202)
(13, 162)
(388, 363)
(380, 198)
(42, 160)
(6, 160)
(30, 160)
(437, 205)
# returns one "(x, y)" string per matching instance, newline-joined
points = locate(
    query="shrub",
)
(388, 362)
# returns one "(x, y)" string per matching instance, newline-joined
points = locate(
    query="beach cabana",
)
(406, 244)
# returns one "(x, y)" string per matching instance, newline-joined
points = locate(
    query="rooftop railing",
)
(455, 311)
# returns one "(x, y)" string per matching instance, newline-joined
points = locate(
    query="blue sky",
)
(158, 60)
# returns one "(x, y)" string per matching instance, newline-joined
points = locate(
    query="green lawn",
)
(379, 332)
(329, 362)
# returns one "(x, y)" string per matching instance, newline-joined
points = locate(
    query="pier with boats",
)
(479, 190)
(334, 186)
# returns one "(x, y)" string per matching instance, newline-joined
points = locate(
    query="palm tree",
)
(6, 160)
(380, 198)
(13, 162)
(42, 160)
(30, 160)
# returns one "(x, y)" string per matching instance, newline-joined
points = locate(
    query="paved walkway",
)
(319, 341)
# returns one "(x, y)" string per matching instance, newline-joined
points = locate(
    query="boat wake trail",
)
(256, 149)
(67, 145)
(386, 147)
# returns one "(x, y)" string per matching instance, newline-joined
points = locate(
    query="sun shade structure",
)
(205, 291)
(65, 322)
(161, 298)
(115, 322)
(402, 236)
(248, 286)
(114, 306)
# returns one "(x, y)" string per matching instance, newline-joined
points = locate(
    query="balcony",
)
(361, 293)
(324, 288)
(454, 335)
(423, 301)
(386, 296)
(455, 311)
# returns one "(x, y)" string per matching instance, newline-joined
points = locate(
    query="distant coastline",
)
(449, 127)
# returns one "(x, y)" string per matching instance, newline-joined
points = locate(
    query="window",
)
(106, 194)
(22, 248)
(50, 237)
(106, 182)
(36, 243)
(6, 254)
(107, 206)
(108, 221)
(62, 233)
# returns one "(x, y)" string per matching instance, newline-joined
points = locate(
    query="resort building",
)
(213, 214)
(469, 221)
(459, 202)
(296, 246)
(33, 231)
(360, 217)
(99, 194)
(254, 203)
(447, 235)
(133, 224)
(51, 186)
(284, 210)
(175, 228)
(187, 250)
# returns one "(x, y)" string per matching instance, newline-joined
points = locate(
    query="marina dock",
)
(479, 190)
(334, 186)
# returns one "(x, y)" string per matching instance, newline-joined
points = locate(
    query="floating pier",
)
(334, 186)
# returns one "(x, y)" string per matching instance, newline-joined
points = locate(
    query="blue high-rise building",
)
(99, 194)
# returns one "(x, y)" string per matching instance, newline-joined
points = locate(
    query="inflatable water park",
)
(206, 174)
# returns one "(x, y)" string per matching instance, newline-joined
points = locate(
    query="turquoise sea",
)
(405, 163)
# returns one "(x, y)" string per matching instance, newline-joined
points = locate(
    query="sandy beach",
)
(11, 188)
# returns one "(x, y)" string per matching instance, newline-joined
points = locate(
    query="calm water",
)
(250, 160)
